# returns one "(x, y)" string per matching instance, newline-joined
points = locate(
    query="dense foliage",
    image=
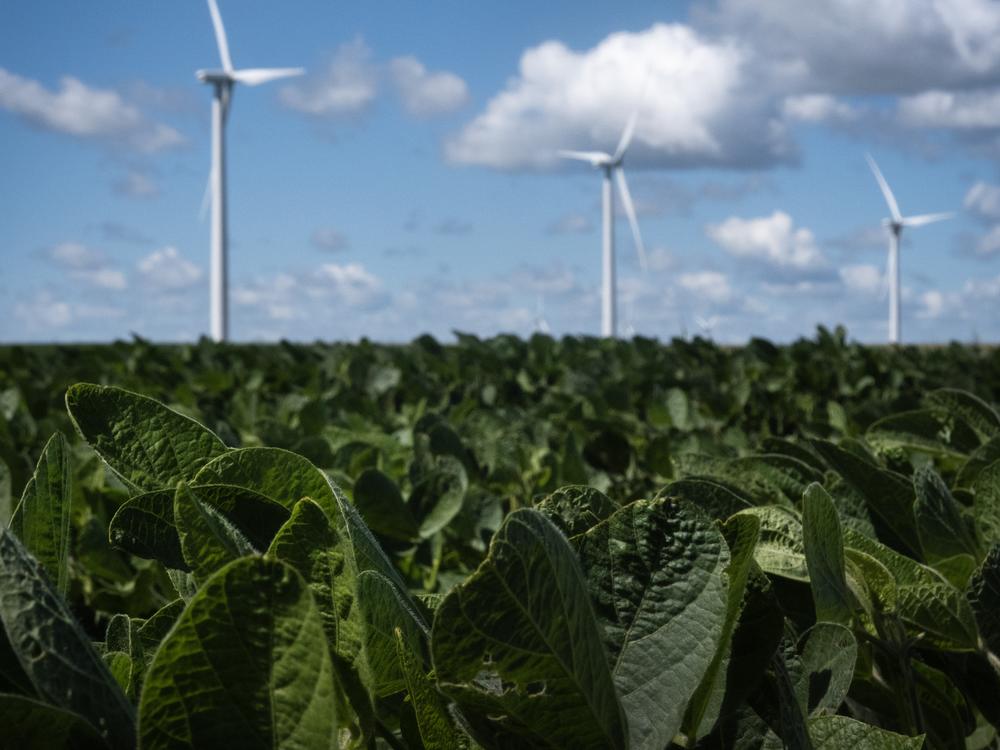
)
(501, 543)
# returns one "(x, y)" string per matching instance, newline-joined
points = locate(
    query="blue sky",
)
(408, 182)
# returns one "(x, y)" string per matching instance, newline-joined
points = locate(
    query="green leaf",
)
(519, 674)
(145, 526)
(889, 496)
(655, 573)
(437, 727)
(208, 540)
(33, 725)
(705, 706)
(824, 552)
(986, 506)
(828, 652)
(279, 475)
(576, 508)
(979, 415)
(924, 599)
(148, 445)
(6, 499)
(712, 496)
(384, 611)
(245, 666)
(381, 505)
(54, 651)
(984, 597)
(780, 549)
(982, 457)
(922, 430)
(153, 630)
(840, 732)
(941, 526)
(41, 521)
(438, 496)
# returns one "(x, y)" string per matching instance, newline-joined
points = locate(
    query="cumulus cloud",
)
(818, 108)
(350, 283)
(989, 243)
(86, 265)
(708, 285)
(168, 270)
(932, 304)
(570, 224)
(698, 106)
(871, 46)
(330, 239)
(961, 110)
(44, 311)
(425, 93)
(863, 278)
(346, 86)
(983, 200)
(769, 239)
(84, 112)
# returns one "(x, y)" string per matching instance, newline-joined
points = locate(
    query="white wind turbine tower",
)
(223, 82)
(612, 164)
(895, 224)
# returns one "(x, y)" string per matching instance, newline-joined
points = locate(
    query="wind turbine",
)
(612, 163)
(223, 81)
(895, 224)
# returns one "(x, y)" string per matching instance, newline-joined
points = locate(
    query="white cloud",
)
(330, 239)
(44, 311)
(708, 285)
(136, 184)
(79, 110)
(771, 239)
(818, 108)
(964, 110)
(571, 224)
(167, 269)
(350, 284)
(863, 278)
(932, 305)
(983, 200)
(425, 93)
(989, 243)
(347, 86)
(75, 255)
(698, 106)
(105, 278)
(871, 46)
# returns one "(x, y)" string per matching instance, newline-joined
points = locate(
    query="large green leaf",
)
(435, 722)
(922, 430)
(824, 551)
(41, 521)
(381, 504)
(29, 724)
(245, 666)
(576, 508)
(780, 549)
(145, 443)
(705, 706)
(986, 506)
(715, 498)
(941, 526)
(523, 677)
(984, 597)
(208, 540)
(982, 457)
(840, 732)
(924, 599)
(889, 496)
(825, 669)
(438, 496)
(145, 524)
(6, 499)
(280, 475)
(979, 415)
(655, 573)
(53, 650)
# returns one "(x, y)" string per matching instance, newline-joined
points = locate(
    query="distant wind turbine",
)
(706, 326)
(223, 82)
(895, 224)
(612, 164)
(541, 324)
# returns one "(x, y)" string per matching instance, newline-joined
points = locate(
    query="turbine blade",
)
(630, 212)
(627, 134)
(220, 36)
(919, 221)
(593, 157)
(890, 199)
(257, 76)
